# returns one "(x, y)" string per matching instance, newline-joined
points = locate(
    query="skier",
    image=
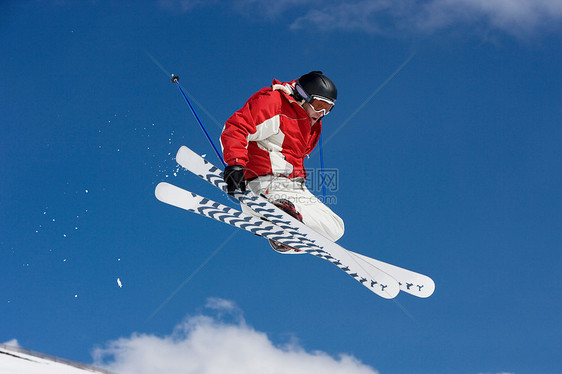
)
(265, 142)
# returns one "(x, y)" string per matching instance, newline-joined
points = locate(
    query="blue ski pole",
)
(176, 80)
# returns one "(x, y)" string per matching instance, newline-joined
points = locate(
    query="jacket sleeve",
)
(256, 120)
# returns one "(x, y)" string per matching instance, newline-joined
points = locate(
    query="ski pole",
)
(176, 80)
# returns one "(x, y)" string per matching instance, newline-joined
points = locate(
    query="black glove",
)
(234, 178)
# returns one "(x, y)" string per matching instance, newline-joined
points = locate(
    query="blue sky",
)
(447, 142)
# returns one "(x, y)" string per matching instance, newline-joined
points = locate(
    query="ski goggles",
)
(319, 104)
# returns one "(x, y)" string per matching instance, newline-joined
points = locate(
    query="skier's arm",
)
(258, 119)
(234, 137)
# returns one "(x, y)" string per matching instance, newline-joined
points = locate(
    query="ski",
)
(377, 281)
(409, 281)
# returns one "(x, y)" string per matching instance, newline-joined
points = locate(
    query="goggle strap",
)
(303, 93)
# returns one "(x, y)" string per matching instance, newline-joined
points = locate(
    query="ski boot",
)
(289, 208)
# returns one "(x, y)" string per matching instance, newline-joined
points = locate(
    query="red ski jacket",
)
(271, 134)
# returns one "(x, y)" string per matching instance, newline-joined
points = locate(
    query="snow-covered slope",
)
(15, 360)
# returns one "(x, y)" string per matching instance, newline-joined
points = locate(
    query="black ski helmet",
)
(316, 84)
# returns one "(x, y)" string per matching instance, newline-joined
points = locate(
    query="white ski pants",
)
(315, 214)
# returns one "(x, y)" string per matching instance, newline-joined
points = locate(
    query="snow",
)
(14, 360)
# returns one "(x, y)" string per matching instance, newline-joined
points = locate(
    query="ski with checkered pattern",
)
(378, 282)
(409, 281)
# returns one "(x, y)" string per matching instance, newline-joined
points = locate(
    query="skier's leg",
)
(320, 218)
(315, 214)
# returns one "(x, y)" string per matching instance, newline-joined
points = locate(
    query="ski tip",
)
(184, 155)
(183, 150)
(157, 190)
(391, 294)
(190, 160)
(160, 190)
(423, 287)
(429, 288)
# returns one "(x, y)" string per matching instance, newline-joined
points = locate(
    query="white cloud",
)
(12, 343)
(515, 17)
(269, 9)
(369, 16)
(183, 6)
(223, 305)
(207, 345)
